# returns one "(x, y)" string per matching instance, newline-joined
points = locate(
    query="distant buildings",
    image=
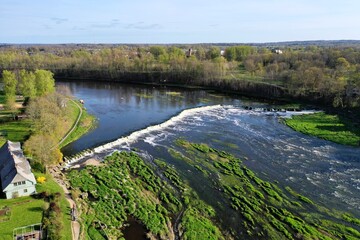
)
(16, 177)
(277, 51)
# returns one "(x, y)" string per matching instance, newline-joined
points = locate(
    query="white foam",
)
(133, 137)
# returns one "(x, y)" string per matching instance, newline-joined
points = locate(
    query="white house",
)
(15, 172)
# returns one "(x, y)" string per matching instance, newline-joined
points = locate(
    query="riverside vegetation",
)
(328, 127)
(162, 199)
(322, 74)
(47, 116)
(327, 75)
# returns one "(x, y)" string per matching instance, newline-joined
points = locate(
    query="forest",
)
(322, 74)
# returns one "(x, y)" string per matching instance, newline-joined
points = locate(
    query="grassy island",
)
(165, 203)
(329, 127)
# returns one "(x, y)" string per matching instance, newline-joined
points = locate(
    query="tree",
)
(10, 83)
(238, 53)
(44, 82)
(157, 51)
(213, 52)
(41, 148)
(26, 83)
(45, 115)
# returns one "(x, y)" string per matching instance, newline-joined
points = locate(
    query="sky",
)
(177, 21)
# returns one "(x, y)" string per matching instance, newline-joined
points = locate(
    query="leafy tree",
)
(10, 82)
(213, 52)
(26, 83)
(41, 148)
(45, 115)
(44, 82)
(157, 51)
(238, 53)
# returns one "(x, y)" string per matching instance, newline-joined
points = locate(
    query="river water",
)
(151, 118)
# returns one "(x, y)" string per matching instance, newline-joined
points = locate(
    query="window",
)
(15, 184)
(25, 190)
(23, 182)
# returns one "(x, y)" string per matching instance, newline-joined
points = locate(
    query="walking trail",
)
(59, 178)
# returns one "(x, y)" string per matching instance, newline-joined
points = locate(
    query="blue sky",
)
(173, 21)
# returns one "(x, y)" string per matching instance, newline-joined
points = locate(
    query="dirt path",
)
(75, 225)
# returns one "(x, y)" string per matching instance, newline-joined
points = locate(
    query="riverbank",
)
(83, 122)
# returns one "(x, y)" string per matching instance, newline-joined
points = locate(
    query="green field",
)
(328, 127)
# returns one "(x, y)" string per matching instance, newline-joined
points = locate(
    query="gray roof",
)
(14, 167)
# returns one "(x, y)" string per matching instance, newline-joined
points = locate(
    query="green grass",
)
(328, 127)
(24, 211)
(85, 124)
(52, 187)
(28, 210)
(17, 131)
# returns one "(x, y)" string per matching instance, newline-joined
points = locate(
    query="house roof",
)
(14, 167)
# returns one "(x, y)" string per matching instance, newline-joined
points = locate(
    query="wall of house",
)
(21, 190)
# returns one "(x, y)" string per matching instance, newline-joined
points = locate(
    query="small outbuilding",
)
(16, 177)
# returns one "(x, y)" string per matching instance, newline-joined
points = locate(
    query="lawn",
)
(328, 127)
(17, 131)
(28, 210)
(24, 211)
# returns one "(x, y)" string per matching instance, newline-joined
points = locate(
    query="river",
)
(321, 170)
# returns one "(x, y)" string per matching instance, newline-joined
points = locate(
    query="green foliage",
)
(44, 82)
(26, 83)
(124, 186)
(322, 74)
(325, 126)
(264, 209)
(196, 226)
(213, 53)
(349, 218)
(238, 53)
(10, 83)
(157, 51)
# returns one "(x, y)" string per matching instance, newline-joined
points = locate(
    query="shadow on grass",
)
(36, 209)
(333, 128)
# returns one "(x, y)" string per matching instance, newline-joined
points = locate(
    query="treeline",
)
(26, 83)
(324, 74)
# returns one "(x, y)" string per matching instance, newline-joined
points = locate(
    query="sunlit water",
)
(321, 170)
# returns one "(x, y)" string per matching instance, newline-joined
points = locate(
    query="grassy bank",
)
(329, 127)
(85, 123)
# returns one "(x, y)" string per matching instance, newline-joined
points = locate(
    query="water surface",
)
(324, 171)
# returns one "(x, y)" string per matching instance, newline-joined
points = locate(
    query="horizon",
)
(188, 43)
(177, 22)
